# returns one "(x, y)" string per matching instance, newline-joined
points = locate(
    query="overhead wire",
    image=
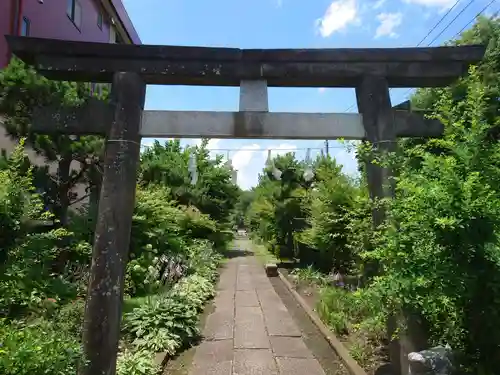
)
(463, 28)
(264, 150)
(452, 21)
(443, 30)
(477, 15)
(419, 43)
(439, 22)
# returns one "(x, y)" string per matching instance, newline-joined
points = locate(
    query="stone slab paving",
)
(251, 331)
(246, 298)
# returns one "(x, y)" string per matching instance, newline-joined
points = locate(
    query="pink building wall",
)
(125, 19)
(6, 13)
(48, 19)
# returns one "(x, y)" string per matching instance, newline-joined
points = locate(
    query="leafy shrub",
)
(330, 202)
(29, 272)
(214, 194)
(141, 362)
(69, 318)
(169, 321)
(37, 348)
(165, 236)
(28, 279)
(346, 312)
(203, 259)
(195, 289)
(442, 258)
(310, 276)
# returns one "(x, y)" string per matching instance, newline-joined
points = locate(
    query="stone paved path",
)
(251, 331)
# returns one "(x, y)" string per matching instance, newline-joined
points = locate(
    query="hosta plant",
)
(169, 321)
(140, 362)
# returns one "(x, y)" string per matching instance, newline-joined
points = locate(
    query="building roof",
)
(125, 21)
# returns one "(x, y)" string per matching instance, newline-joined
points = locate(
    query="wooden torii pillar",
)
(130, 67)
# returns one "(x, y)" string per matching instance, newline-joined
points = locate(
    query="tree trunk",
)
(63, 179)
(61, 211)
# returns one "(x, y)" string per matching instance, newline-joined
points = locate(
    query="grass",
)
(309, 275)
(356, 317)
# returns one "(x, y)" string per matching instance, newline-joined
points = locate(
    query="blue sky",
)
(286, 24)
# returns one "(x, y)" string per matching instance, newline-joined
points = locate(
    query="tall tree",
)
(277, 211)
(214, 193)
(22, 89)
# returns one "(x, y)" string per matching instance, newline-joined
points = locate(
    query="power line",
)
(419, 43)
(438, 23)
(477, 15)
(265, 150)
(463, 28)
(441, 33)
(452, 21)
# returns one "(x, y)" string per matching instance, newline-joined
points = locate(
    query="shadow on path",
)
(237, 253)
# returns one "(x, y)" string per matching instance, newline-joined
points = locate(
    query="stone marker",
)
(435, 361)
(271, 270)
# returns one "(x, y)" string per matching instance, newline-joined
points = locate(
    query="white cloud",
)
(281, 149)
(337, 17)
(193, 141)
(379, 4)
(388, 22)
(242, 157)
(433, 3)
(241, 163)
(213, 143)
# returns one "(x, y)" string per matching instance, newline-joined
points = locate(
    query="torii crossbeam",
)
(130, 67)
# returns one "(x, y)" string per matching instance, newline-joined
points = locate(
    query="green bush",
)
(278, 210)
(330, 202)
(141, 362)
(169, 321)
(203, 259)
(30, 262)
(37, 348)
(69, 318)
(164, 234)
(214, 194)
(310, 275)
(441, 257)
(347, 312)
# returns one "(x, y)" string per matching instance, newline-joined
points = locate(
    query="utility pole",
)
(327, 148)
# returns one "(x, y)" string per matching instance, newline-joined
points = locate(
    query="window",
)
(25, 27)
(74, 12)
(99, 20)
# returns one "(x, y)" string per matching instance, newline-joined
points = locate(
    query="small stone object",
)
(435, 361)
(271, 270)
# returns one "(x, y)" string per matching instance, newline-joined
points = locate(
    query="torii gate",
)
(130, 67)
